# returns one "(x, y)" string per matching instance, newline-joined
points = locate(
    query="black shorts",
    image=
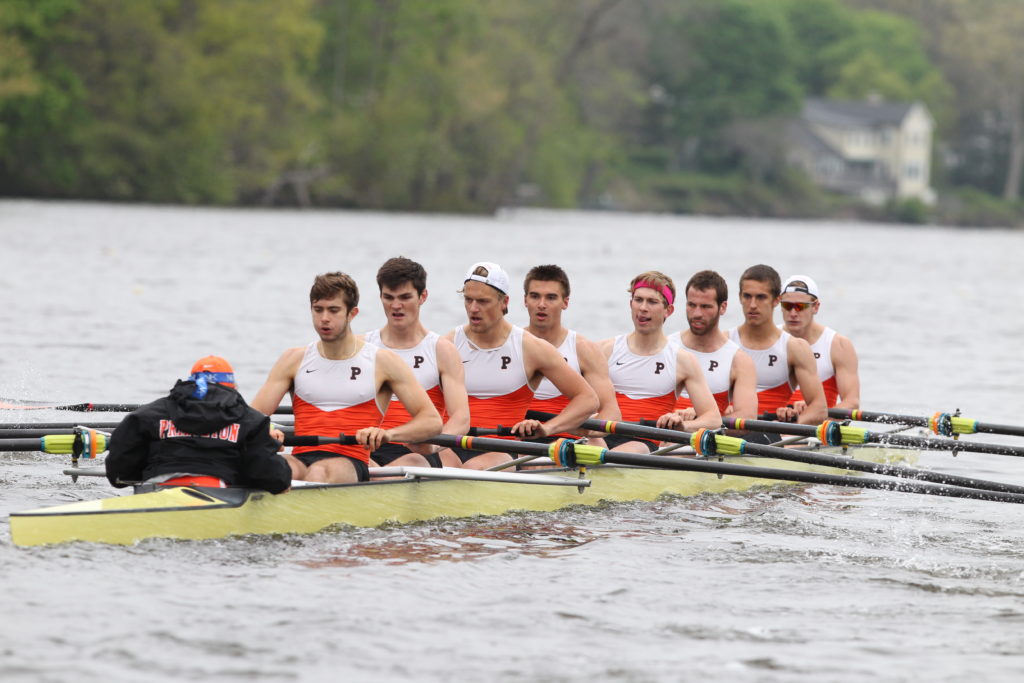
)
(390, 452)
(613, 441)
(307, 458)
(465, 455)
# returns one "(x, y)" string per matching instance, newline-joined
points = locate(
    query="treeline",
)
(466, 105)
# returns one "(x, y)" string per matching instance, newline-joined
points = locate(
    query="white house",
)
(871, 149)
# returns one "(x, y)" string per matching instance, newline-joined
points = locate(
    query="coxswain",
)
(504, 365)
(402, 284)
(341, 384)
(834, 355)
(201, 434)
(783, 362)
(648, 372)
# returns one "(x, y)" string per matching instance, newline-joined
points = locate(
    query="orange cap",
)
(220, 371)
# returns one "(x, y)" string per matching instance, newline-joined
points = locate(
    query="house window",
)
(912, 171)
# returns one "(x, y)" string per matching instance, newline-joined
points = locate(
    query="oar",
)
(414, 473)
(8, 426)
(837, 434)
(14, 404)
(87, 443)
(569, 454)
(706, 442)
(943, 424)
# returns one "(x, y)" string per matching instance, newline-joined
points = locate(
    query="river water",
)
(109, 303)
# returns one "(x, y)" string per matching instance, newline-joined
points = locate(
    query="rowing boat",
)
(203, 513)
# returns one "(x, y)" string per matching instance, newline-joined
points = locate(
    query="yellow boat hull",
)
(201, 513)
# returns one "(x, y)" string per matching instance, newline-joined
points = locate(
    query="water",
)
(106, 303)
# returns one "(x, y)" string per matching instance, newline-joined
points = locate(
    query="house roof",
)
(855, 114)
(800, 133)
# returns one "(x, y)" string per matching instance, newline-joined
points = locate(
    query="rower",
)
(648, 372)
(546, 295)
(341, 384)
(504, 365)
(201, 434)
(783, 362)
(728, 369)
(834, 355)
(433, 360)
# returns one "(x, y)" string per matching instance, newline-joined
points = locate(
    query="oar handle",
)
(308, 440)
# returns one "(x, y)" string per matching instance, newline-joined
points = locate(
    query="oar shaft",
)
(103, 408)
(902, 485)
(805, 456)
(713, 467)
(21, 445)
(973, 426)
(935, 443)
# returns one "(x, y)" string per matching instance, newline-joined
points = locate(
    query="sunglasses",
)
(798, 305)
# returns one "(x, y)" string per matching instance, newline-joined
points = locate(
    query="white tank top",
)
(422, 358)
(717, 365)
(772, 364)
(547, 390)
(822, 350)
(335, 384)
(493, 372)
(639, 377)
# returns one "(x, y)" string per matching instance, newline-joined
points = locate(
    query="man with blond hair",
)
(834, 355)
(504, 365)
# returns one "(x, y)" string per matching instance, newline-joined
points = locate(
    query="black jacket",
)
(218, 435)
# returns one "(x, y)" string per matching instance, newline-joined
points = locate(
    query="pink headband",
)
(665, 291)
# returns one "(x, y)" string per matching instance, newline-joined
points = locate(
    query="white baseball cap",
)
(801, 283)
(496, 277)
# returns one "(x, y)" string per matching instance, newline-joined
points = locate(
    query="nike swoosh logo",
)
(313, 370)
(618, 362)
(465, 361)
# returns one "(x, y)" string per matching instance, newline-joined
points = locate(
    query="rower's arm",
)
(541, 357)
(844, 360)
(453, 386)
(395, 375)
(594, 368)
(805, 371)
(743, 394)
(279, 382)
(689, 376)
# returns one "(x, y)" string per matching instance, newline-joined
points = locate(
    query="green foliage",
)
(908, 211)
(456, 105)
(969, 206)
(738, 63)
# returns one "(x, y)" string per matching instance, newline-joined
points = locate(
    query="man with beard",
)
(728, 369)
(341, 384)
